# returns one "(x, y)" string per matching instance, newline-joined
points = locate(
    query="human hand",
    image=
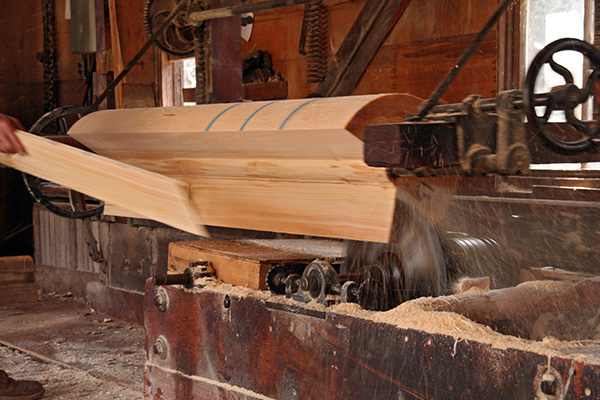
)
(9, 143)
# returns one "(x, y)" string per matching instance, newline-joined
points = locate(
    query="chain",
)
(200, 56)
(48, 57)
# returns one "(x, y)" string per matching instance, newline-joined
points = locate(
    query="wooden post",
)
(17, 280)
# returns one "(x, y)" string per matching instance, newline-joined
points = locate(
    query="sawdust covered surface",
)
(417, 315)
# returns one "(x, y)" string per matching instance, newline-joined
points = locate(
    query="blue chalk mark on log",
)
(219, 115)
(285, 121)
(254, 113)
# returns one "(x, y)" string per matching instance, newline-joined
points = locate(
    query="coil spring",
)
(313, 43)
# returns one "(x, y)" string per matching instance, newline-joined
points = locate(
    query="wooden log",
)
(551, 273)
(291, 166)
(154, 196)
(527, 299)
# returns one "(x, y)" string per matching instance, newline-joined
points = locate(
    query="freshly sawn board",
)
(149, 194)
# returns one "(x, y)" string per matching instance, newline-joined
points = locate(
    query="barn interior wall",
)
(423, 46)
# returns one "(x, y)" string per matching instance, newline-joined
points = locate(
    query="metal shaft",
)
(196, 17)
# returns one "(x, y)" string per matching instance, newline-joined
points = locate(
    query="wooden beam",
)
(246, 263)
(152, 195)
(117, 56)
(372, 26)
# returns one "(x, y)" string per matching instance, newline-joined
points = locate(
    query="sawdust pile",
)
(417, 315)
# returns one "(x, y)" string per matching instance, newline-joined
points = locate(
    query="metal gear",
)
(276, 278)
(57, 122)
(178, 38)
(278, 274)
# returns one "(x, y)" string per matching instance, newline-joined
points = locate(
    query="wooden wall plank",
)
(426, 23)
(16, 264)
(17, 280)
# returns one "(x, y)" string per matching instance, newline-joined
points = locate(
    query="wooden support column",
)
(225, 57)
(103, 76)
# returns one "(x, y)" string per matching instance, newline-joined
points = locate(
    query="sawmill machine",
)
(421, 193)
(457, 178)
(465, 200)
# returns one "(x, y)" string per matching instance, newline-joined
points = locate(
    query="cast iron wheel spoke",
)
(56, 123)
(548, 111)
(578, 124)
(562, 71)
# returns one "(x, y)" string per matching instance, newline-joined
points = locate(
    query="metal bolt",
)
(161, 300)
(140, 267)
(309, 283)
(160, 348)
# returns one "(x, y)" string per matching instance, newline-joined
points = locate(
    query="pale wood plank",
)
(240, 272)
(358, 211)
(154, 196)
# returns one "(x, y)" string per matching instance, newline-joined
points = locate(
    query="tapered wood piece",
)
(149, 194)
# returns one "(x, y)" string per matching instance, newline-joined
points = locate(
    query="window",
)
(547, 21)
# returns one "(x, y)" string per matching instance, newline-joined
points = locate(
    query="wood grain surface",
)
(292, 166)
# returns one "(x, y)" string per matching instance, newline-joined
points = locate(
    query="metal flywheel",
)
(178, 37)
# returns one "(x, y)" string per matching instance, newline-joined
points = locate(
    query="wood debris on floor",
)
(74, 351)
